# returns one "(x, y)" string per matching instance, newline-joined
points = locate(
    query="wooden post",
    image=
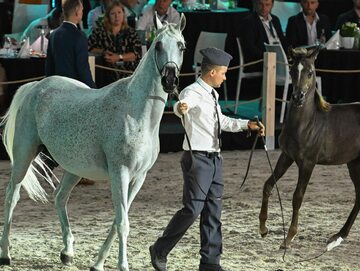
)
(268, 98)
(92, 66)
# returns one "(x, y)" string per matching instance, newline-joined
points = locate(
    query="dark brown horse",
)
(311, 135)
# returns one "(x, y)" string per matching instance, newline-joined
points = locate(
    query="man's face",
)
(161, 6)
(309, 7)
(263, 7)
(218, 76)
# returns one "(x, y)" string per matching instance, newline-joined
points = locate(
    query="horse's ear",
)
(157, 22)
(314, 51)
(182, 23)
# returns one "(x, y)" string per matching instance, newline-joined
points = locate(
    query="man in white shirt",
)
(95, 13)
(202, 167)
(308, 27)
(164, 12)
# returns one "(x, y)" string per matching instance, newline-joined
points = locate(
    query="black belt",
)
(207, 154)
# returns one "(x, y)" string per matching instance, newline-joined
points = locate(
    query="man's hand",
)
(257, 126)
(182, 108)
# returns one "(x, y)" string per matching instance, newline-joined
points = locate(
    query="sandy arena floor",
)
(36, 236)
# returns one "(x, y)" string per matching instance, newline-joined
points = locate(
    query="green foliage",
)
(349, 29)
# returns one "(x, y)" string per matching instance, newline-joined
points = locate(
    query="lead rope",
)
(272, 174)
(190, 149)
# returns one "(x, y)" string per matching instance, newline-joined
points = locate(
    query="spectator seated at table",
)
(51, 21)
(352, 15)
(116, 42)
(257, 28)
(164, 12)
(308, 27)
(95, 13)
(133, 10)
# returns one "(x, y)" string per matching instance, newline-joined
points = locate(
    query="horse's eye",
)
(310, 74)
(181, 46)
(158, 46)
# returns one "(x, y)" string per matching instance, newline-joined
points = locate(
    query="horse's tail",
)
(30, 181)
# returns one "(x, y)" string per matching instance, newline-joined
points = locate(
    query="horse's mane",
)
(321, 103)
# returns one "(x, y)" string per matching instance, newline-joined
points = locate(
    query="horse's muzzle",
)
(298, 98)
(170, 79)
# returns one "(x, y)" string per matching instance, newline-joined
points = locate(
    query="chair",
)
(283, 74)
(242, 75)
(284, 10)
(205, 40)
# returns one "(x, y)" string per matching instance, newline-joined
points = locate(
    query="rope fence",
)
(184, 74)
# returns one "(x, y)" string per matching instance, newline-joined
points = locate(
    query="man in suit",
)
(308, 27)
(67, 53)
(352, 15)
(260, 27)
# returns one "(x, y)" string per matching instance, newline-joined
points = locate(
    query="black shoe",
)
(157, 261)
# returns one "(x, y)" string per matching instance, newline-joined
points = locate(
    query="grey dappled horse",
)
(110, 133)
(311, 135)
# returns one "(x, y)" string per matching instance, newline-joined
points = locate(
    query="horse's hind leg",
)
(62, 195)
(354, 170)
(20, 166)
(282, 165)
(12, 197)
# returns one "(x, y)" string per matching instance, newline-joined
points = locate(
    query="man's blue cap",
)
(215, 56)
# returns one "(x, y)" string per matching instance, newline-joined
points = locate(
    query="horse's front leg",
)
(305, 171)
(62, 194)
(119, 190)
(11, 199)
(282, 165)
(134, 188)
(105, 249)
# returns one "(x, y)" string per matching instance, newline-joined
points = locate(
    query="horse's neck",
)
(145, 90)
(297, 117)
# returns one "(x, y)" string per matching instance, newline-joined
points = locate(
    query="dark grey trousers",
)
(202, 192)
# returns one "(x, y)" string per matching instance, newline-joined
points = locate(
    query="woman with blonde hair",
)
(116, 42)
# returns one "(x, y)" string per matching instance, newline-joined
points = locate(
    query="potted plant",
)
(348, 32)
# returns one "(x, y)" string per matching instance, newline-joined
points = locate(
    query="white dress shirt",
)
(270, 30)
(93, 15)
(146, 21)
(311, 30)
(201, 120)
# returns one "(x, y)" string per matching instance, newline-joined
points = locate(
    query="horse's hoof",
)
(264, 233)
(94, 269)
(285, 246)
(334, 243)
(4, 261)
(66, 259)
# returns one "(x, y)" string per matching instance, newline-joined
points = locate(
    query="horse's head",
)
(303, 73)
(169, 48)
